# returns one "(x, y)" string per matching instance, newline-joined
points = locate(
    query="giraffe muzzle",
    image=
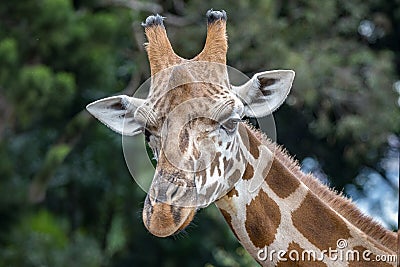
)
(163, 219)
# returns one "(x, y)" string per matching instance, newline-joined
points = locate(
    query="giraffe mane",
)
(334, 199)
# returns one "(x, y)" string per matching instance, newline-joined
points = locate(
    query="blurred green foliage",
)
(56, 56)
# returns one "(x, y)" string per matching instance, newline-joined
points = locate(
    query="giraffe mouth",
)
(164, 220)
(186, 222)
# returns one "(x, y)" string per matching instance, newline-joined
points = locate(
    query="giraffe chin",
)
(186, 222)
(163, 220)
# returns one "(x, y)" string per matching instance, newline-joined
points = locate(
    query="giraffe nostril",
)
(176, 190)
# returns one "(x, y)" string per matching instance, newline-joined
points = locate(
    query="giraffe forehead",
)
(190, 72)
(198, 82)
(190, 102)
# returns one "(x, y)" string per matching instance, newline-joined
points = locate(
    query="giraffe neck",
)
(291, 211)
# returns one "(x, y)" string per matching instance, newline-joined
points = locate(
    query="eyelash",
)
(230, 125)
(147, 135)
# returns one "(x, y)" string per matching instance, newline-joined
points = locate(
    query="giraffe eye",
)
(147, 135)
(230, 125)
(151, 147)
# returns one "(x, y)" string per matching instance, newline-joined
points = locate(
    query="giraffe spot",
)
(232, 193)
(227, 163)
(318, 223)
(211, 189)
(203, 176)
(297, 256)
(254, 149)
(183, 140)
(248, 172)
(228, 145)
(262, 220)
(215, 164)
(280, 180)
(238, 155)
(228, 219)
(235, 176)
(359, 261)
(196, 153)
(252, 142)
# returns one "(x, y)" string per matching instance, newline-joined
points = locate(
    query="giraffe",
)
(206, 153)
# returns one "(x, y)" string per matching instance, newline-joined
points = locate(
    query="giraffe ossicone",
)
(192, 121)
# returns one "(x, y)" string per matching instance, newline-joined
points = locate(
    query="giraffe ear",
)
(265, 92)
(117, 113)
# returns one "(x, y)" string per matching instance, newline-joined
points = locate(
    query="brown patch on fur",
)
(292, 258)
(228, 145)
(254, 148)
(333, 199)
(215, 164)
(227, 163)
(262, 220)
(232, 193)
(280, 180)
(235, 176)
(360, 262)
(183, 140)
(318, 223)
(228, 219)
(253, 141)
(238, 155)
(211, 189)
(248, 172)
(231, 162)
(203, 176)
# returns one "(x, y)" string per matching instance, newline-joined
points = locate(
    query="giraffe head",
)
(191, 120)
